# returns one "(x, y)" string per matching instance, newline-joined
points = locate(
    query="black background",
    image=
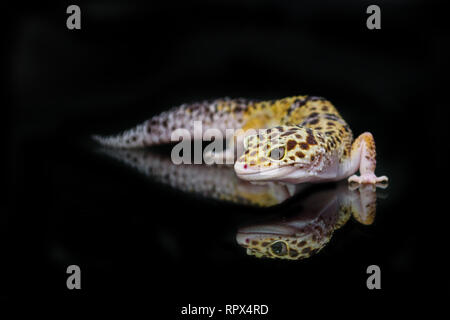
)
(137, 240)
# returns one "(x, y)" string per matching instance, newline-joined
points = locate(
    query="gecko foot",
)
(368, 178)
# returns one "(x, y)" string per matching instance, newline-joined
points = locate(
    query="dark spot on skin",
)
(310, 139)
(312, 158)
(329, 133)
(300, 154)
(315, 121)
(298, 136)
(306, 250)
(247, 151)
(330, 123)
(292, 158)
(264, 244)
(252, 163)
(269, 131)
(324, 108)
(301, 244)
(313, 115)
(133, 138)
(291, 144)
(293, 253)
(238, 108)
(304, 146)
(254, 242)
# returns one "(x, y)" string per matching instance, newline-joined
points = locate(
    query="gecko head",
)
(282, 153)
(280, 242)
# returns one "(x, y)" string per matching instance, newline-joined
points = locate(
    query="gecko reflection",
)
(209, 181)
(310, 229)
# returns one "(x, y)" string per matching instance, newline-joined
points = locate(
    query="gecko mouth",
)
(279, 172)
(269, 229)
(261, 174)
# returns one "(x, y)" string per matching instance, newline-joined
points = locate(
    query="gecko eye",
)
(277, 153)
(279, 248)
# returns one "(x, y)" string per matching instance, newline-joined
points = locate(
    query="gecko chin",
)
(252, 173)
(288, 173)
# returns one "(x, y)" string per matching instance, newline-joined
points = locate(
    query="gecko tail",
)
(132, 138)
(159, 129)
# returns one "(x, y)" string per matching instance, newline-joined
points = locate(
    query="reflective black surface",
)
(138, 240)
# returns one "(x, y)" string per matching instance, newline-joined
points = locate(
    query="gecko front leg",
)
(363, 154)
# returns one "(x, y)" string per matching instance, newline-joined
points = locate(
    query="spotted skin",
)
(299, 139)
